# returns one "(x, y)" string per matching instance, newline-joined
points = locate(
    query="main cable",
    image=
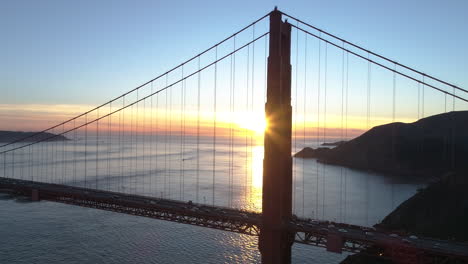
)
(381, 65)
(376, 54)
(142, 85)
(129, 105)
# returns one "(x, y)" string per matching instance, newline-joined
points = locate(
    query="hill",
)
(438, 211)
(9, 136)
(428, 147)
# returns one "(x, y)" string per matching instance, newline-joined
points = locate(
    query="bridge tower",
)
(275, 239)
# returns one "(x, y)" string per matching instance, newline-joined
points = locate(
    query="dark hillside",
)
(428, 147)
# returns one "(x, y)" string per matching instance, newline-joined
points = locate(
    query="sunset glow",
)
(252, 121)
(39, 117)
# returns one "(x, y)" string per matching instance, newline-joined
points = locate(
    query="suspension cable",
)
(133, 103)
(376, 54)
(144, 84)
(381, 65)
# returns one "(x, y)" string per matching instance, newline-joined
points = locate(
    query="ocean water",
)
(223, 172)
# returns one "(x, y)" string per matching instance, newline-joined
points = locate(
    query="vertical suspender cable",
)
(182, 134)
(423, 86)
(4, 165)
(265, 70)
(121, 144)
(13, 168)
(246, 129)
(325, 123)
(342, 126)
(231, 104)
(109, 145)
(214, 125)
(369, 72)
(296, 98)
(368, 92)
(155, 139)
(170, 145)
(318, 127)
(86, 152)
(39, 164)
(346, 129)
(12, 164)
(55, 157)
(419, 100)
(135, 143)
(27, 163)
(232, 127)
(31, 162)
(151, 151)
(25, 160)
(47, 158)
(185, 133)
(445, 103)
(166, 121)
(131, 150)
(20, 163)
(453, 100)
(198, 130)
(51, 161)
(75, 139)
(63, 155)
(304, 123)
(252, 112)
(143, 145)
(393, 132)
(97, 149)
(394, 95)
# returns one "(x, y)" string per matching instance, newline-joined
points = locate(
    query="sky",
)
(73, 55)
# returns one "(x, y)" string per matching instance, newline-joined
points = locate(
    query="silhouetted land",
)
(9, 136)
(438, 211)
(333, 144)
(433, 146)
(428, 147)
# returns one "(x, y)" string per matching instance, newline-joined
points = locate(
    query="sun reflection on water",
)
(256, 176)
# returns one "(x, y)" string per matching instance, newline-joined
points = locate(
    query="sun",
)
(252, 121)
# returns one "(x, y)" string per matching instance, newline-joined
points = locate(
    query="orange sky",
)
(38, 117)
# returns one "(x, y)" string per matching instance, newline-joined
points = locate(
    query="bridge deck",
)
(318, 233)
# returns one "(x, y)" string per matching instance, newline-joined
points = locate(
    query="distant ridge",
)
(429, 147)
(9, 136)
(333, 144)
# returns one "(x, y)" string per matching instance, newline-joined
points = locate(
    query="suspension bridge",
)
(181, 148)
